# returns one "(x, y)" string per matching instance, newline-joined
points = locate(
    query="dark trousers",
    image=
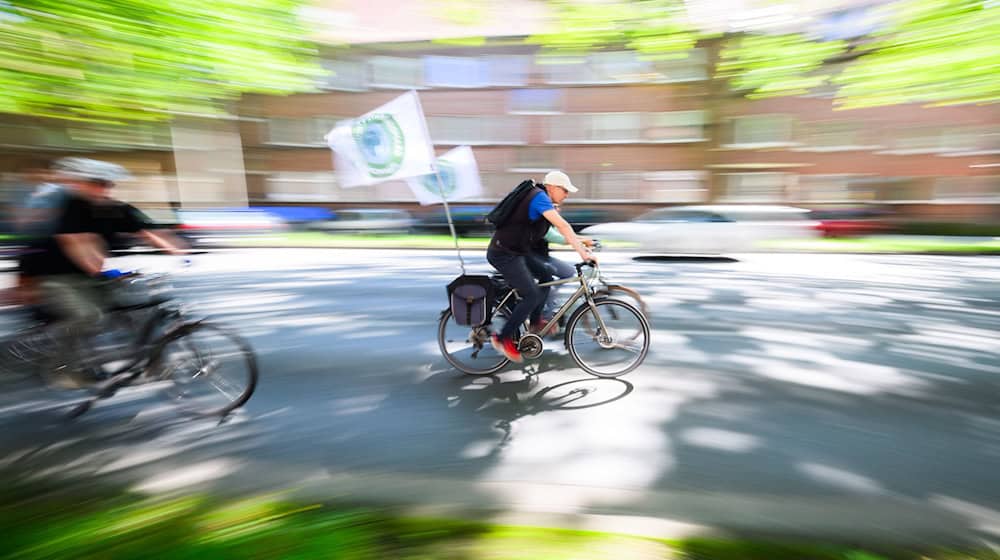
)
(557, 270)
(521, 273)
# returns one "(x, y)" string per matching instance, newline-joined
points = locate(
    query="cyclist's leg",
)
(515, 271)
(559, 270)
(78, 304)
(542, 273)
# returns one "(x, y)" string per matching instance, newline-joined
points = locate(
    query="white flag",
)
(459, 178)
(390, 142)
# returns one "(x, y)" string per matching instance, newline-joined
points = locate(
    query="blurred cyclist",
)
(66, 265)
(510, 252)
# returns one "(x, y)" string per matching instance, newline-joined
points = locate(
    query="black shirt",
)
(107, 219)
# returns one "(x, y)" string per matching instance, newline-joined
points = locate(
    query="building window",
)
(152, 188)
(615, 127)
(970, 189)
(300, 132)
(675, 126)
(615, 186)
(497, 185)
(490, 129)
(612, 128)
(396, 72)
(834, 188)
(690, 67)
(970, 141)
(507, 70)
(913, 141)
(292, 186)
(834, 136)
(535, 159)
(673, 186)
(135, 136)
(755, 187)
(454, 71)
(345, 75)
(761, 131)
(536, 101)
(597, 68)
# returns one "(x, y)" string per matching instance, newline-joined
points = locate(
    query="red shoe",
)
(507, 347)
(537, 326)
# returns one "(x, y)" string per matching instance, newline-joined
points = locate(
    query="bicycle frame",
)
(583, 291)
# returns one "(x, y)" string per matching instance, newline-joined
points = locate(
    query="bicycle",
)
(147, 340)
(618, 291)
(616, 329)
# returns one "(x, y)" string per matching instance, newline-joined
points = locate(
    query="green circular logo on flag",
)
(448, 183)
(381, 142)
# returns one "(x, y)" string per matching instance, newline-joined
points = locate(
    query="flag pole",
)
(447, 213)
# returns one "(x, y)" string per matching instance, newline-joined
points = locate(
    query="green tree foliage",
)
(938, 52)
(653, 28)
(121, 60)
(935, 52)
(771, 65)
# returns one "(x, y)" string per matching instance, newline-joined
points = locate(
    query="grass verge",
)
(893, 244)
(888, 244)
(42, 525)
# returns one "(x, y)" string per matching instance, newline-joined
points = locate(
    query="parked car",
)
(709, 229)
(582, 217)
(210, 227)
(368, 220)
(467, 219)
(299, 217)
(851, 222)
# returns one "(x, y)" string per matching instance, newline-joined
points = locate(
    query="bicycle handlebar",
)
(579, 266)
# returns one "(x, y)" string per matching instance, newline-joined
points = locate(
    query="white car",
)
(709, 229)
(213, 227)
(368, 220)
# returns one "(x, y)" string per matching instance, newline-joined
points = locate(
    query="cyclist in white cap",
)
(510, 252)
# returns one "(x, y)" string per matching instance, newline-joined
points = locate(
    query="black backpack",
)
(502, 211)
(470, 298)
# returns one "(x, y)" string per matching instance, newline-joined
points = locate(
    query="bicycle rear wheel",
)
(609, 339)
(468, 349)
(212, 370)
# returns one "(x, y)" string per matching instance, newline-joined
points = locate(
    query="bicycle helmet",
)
(90, 169)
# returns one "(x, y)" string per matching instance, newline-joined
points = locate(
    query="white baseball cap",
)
(559, 179)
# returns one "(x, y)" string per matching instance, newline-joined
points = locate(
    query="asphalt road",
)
(842, 396)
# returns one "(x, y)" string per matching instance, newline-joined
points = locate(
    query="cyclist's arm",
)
(165, 240)
(85, 250)
(566, 230)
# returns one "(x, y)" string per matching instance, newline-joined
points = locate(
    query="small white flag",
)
(390, 142)
(457, 178)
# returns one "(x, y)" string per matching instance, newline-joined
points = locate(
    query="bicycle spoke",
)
(468, 348)
(595, 342)
(212, 371)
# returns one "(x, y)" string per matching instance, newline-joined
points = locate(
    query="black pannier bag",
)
(470, 297)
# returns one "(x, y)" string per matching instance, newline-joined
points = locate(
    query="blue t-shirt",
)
(539, 205)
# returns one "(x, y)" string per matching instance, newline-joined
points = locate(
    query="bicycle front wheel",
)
(468, 349)
(626, 294)
(608, 339)
(212, 371)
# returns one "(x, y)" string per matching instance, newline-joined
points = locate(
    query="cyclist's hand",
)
(591, 259)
